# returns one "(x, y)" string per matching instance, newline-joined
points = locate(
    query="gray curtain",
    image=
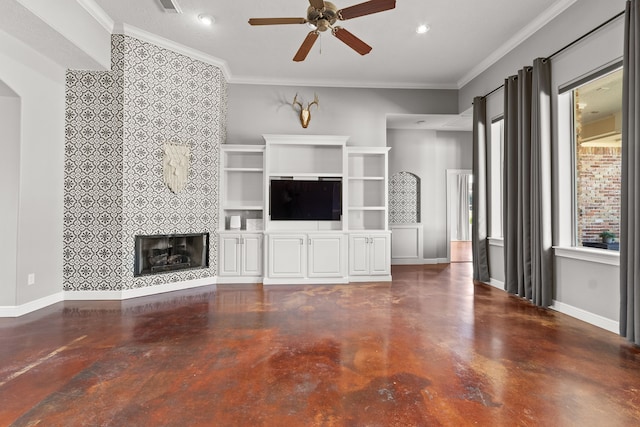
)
(479, 190)
(629, 218)
(527, 184)
(541, 223)
(462, 208)
(510, 185)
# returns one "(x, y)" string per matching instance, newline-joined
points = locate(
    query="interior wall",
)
(9, 192)
(428, 154)
(39, 82)
(604, 47)
(62, 30)
(577, 20)
(117, 124)
(358, 113)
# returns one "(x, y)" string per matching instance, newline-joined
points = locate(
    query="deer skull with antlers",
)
(305, 114)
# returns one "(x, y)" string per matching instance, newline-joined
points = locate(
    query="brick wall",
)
(598, 190)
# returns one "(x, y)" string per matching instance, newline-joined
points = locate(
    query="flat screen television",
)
(293, 200)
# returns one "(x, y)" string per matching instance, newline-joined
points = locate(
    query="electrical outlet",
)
(31, 279)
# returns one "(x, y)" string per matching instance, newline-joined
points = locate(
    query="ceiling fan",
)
(322, 15)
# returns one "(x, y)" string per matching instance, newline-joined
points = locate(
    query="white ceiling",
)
(466, 36)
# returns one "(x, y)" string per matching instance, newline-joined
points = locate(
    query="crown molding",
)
(129, 30)
(98, 14)
(535, 25)
(340, 83)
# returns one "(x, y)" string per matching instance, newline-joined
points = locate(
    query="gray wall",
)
(577, 20)
(39, 83)
(585, 287)
(359, 113)
(428, 154)
(9, 200)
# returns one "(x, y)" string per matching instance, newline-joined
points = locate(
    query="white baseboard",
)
(497, 284)
(406, 261)
(223, 280)
(21, 310)
(137, 292)
(416, 261)
(586, 316)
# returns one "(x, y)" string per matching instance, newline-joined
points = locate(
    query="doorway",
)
(459, 217)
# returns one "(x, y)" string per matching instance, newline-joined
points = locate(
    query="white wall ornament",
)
(176, 165)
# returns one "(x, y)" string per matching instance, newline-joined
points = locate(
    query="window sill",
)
(600, 256)
(496, 241)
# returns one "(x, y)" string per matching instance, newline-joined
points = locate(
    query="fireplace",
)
(161, 253)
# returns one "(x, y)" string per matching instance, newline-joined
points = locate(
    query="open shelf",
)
(367, 165)
(366, 193)
(367, 219)
(243, 156)
(242, 185)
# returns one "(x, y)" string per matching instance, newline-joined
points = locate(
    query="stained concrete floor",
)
(431, 348)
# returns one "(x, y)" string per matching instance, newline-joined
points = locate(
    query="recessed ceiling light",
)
(422, 29)
(206, 19)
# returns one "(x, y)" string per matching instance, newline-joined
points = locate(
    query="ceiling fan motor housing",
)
(323, 18)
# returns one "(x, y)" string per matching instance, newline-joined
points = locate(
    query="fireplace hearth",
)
(163, 253)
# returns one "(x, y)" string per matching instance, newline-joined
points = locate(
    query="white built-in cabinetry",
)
(241, 251)
(306, 256)
(354, 248)
(369, 255)
(241, 255)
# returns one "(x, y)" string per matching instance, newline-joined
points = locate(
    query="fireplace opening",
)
(162, 253)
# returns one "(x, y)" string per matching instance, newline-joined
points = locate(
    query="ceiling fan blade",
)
(317, 4)
(366, 8)
(306, 46)
(352, 41)
(276, 21)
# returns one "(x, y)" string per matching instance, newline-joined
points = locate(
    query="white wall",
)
(9, 186)
(39, 83)
(428, 154)
(62, 30)
(585, 289)
(359, 113)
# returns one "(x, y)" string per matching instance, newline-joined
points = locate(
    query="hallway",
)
(430, 348)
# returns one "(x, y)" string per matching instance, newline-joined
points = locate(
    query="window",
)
(597, 123)
(496, 158)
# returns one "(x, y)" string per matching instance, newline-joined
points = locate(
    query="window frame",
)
(497, 188)
(566, 95)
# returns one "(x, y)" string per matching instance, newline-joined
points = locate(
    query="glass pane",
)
(598, 124)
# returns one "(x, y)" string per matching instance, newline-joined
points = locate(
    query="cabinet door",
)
(326, 255)
(379, 255)
(358, 254)
(287, 255)
(230, 255)
(252, 255)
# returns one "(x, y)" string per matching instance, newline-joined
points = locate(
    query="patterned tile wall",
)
(159, 96)
(404, 198)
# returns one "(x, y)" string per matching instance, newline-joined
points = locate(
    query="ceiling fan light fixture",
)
(205, 19)
(423, 29)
